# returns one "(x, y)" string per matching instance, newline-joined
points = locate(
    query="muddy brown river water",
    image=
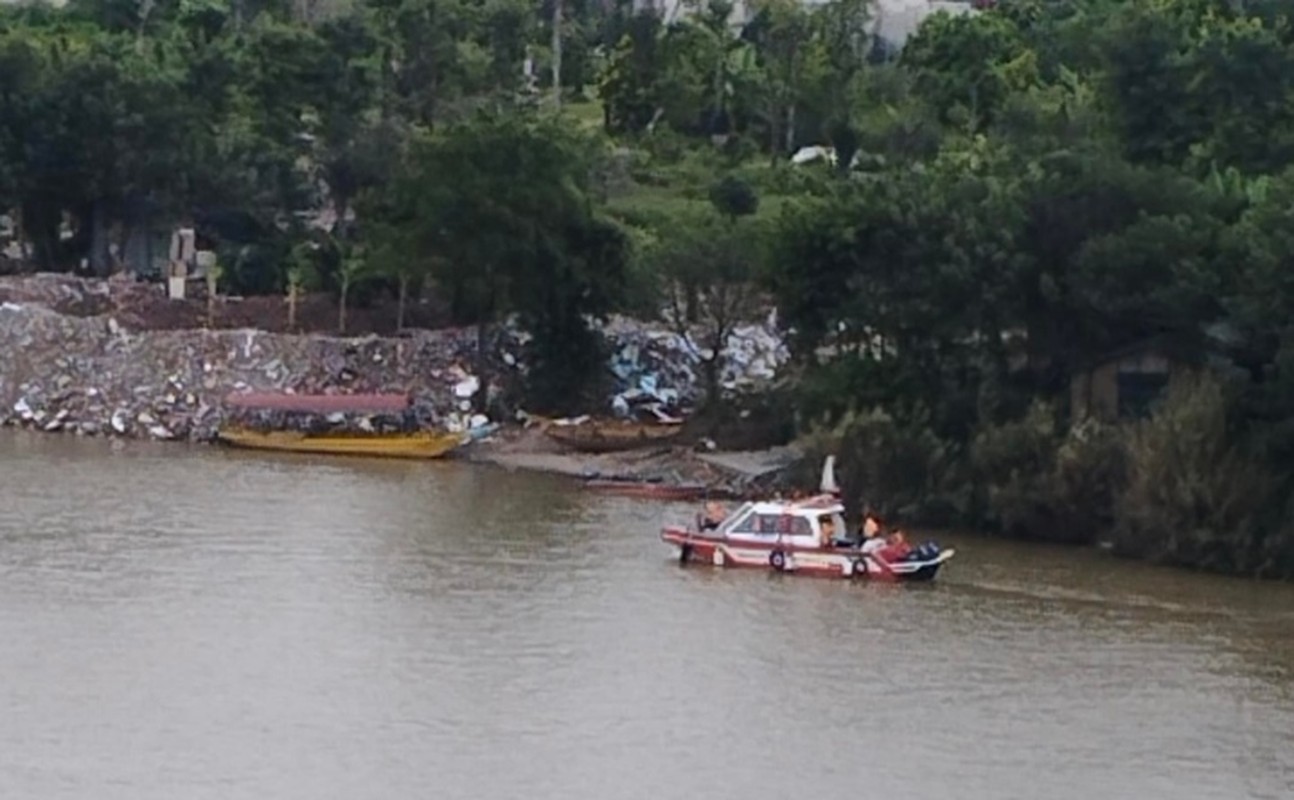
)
(193, 623)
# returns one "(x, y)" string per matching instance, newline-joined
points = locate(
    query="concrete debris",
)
(74, 364)
(83, 374)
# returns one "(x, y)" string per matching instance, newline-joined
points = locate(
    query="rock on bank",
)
(90, 375)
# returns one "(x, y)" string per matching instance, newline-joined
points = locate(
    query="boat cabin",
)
(808, 523)
(321, 413)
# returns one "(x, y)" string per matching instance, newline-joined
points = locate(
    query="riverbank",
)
(98, 358)
(719, 473)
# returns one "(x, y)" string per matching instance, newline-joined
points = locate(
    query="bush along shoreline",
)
(1185, 486)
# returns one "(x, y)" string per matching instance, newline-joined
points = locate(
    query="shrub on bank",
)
(1185, 487)
(1040, 480)
(901, 469)
(1194, 497)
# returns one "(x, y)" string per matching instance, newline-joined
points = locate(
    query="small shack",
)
(1124, 383)
(1127, 382)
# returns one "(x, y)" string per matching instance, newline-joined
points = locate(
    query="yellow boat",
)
(403, 444)
(421, 444)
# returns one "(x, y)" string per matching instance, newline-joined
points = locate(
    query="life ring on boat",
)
(777, 560)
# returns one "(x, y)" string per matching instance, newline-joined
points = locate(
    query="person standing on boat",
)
(872, 531)
(713, 517)
(871, 523)
(828, 526)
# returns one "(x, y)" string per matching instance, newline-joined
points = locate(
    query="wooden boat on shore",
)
(610, 436)
(404, 441)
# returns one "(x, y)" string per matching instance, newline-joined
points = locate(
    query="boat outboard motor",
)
(927, 551)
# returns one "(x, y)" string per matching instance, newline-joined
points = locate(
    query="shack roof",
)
(321, 403)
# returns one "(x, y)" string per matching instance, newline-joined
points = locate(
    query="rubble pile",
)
(81, 356)
(657, 363)
(90, 375)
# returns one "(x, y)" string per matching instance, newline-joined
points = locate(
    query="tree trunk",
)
(341, 207)
(100, 263)
(41, 224)
(557, 54)
(718, 95)
(433, 100)
(481, 397)
(292, 307)
(341, 310)
(790, 128)
(121, 261)
(400, 302)
(710, 371)
(692, 303)
(774, 132)
(481, 400)
(145, 9)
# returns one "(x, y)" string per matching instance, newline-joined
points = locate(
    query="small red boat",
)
(653, 490)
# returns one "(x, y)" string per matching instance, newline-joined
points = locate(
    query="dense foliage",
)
(1107, 172)
(1002, 200)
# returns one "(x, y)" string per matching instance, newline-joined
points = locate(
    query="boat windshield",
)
(323, 413)
(768, 524)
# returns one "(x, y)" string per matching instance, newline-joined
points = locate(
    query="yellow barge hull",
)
(422, 445)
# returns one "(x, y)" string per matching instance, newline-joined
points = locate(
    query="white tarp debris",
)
(657, 366)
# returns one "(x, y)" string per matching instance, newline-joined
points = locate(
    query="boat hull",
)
(421, 445)
(835, 562)
(596, 437)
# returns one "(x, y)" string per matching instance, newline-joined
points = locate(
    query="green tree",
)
(966, 65)
(515, 233)
(781, 33)
(708, 267)
(1205, 81)
(844, 40)
(419, 59)
(630, 87)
